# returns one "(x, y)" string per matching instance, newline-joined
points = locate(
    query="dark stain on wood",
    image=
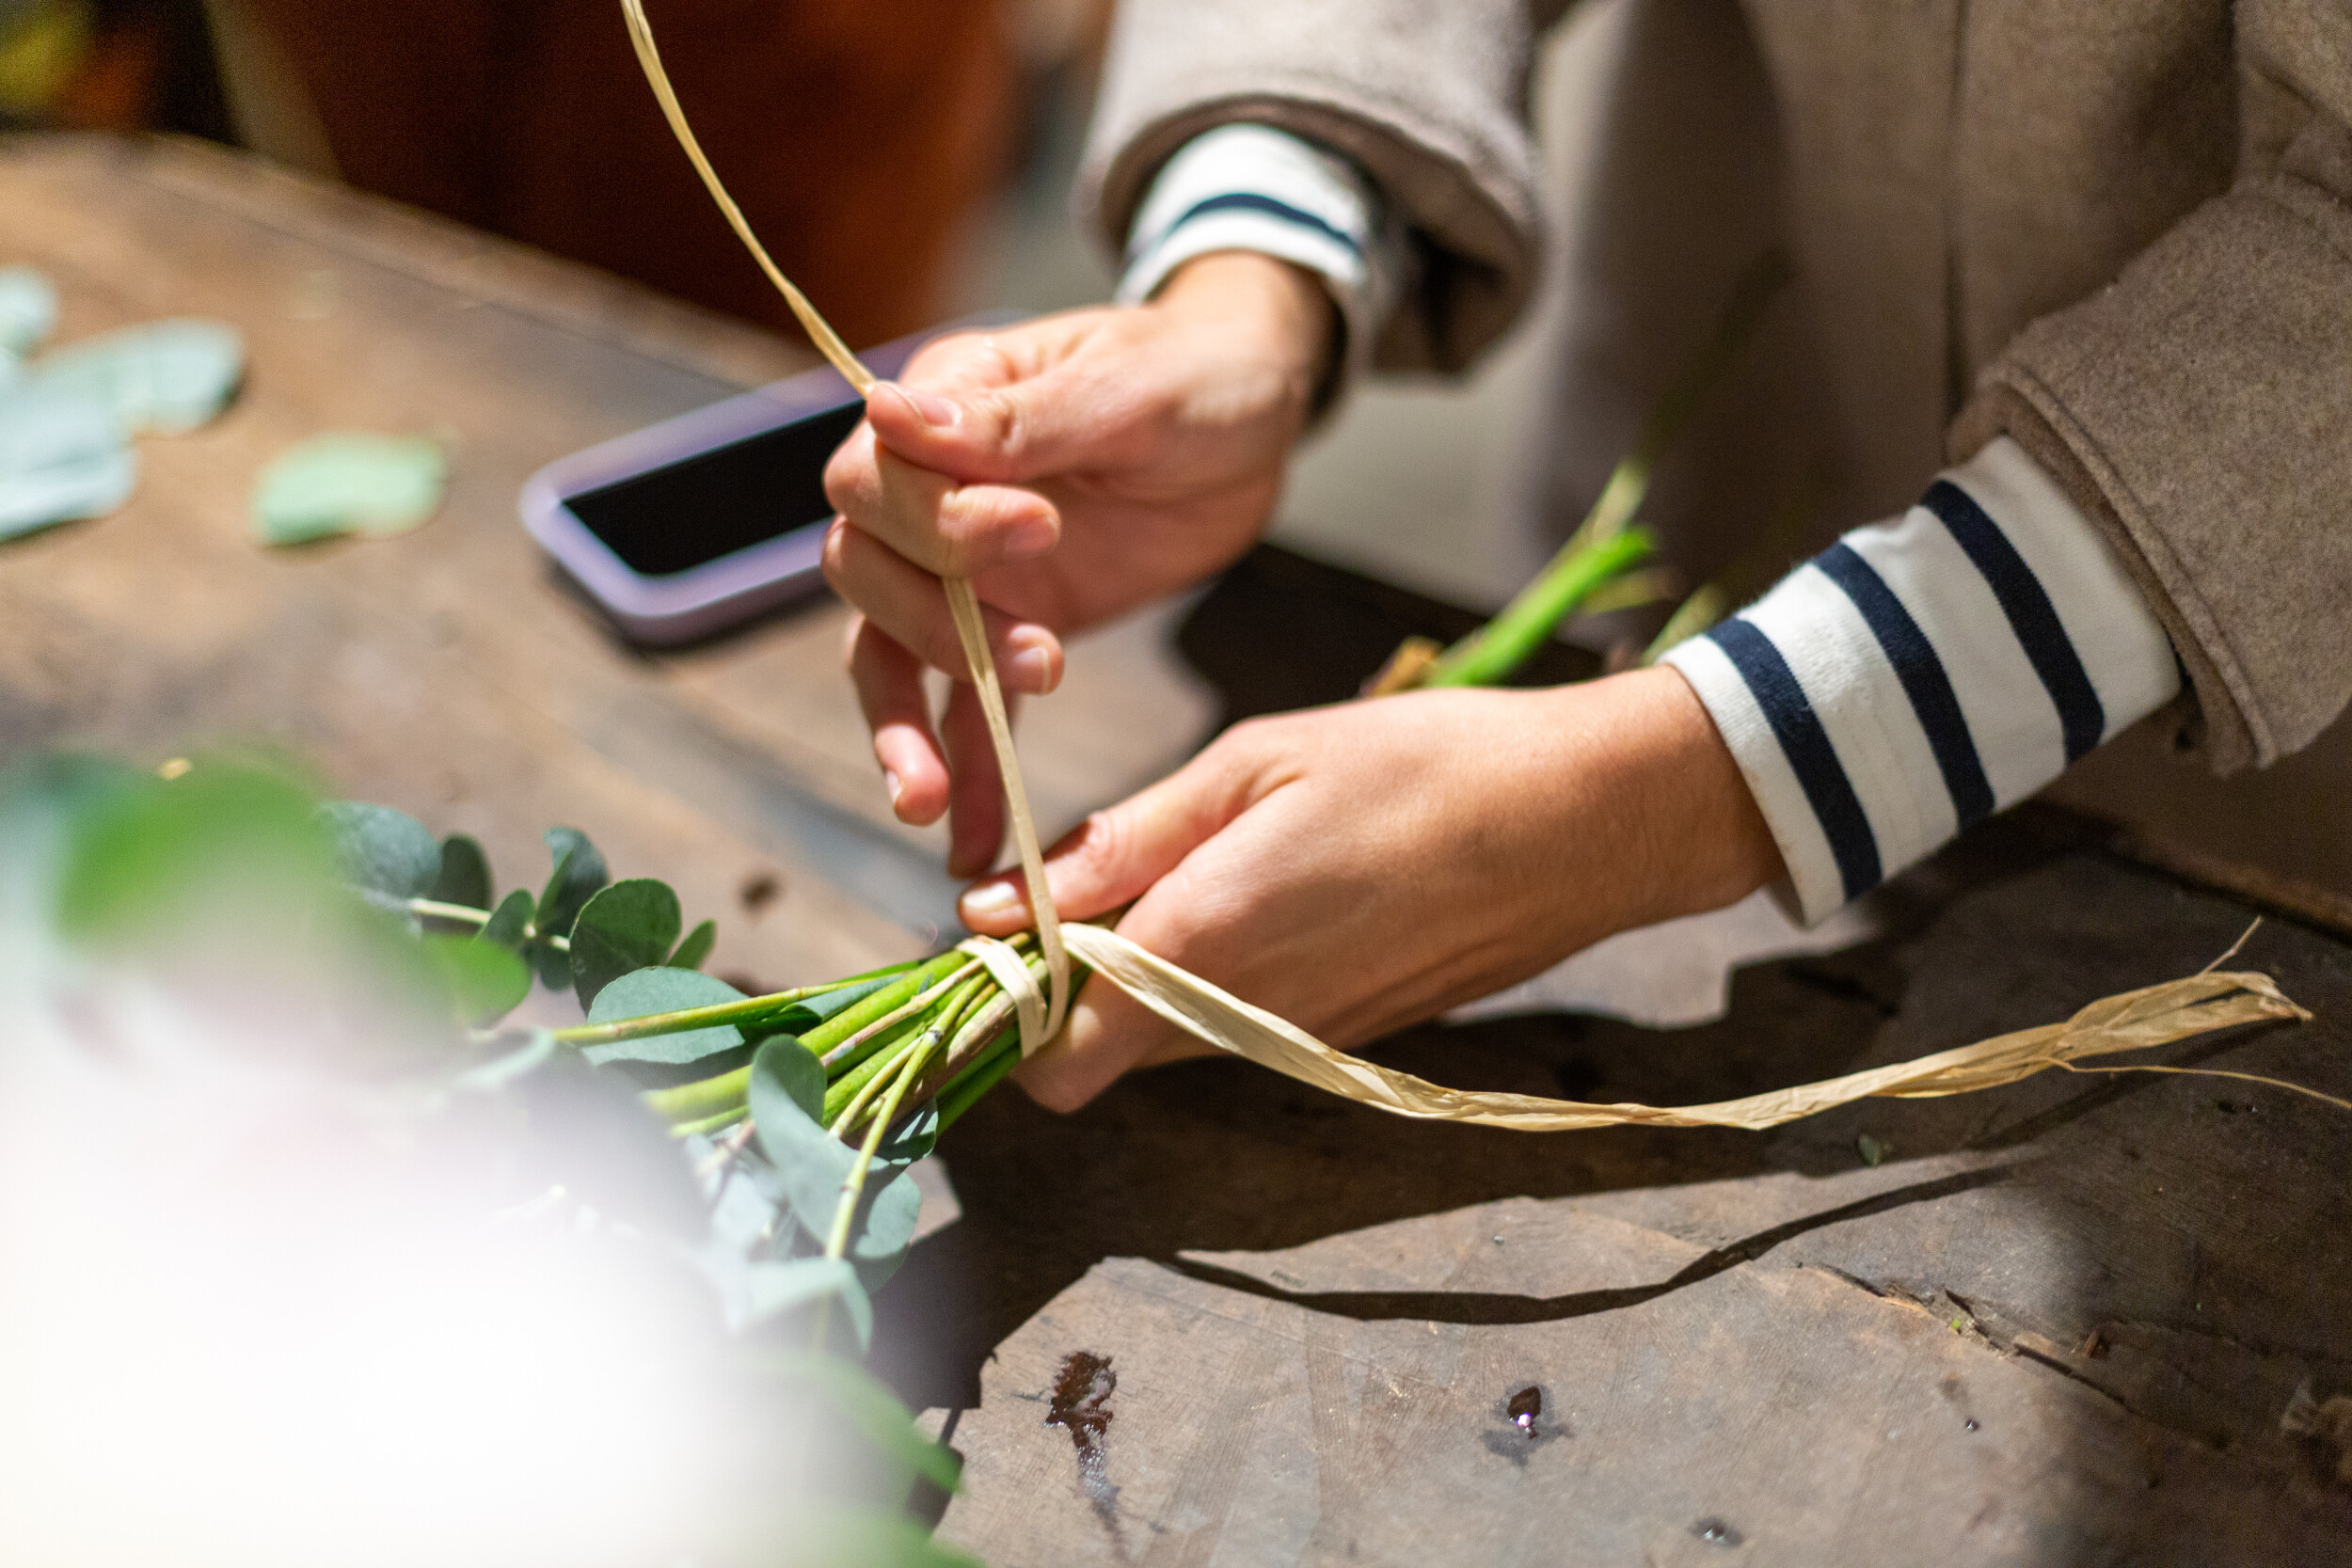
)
(1082, 1407)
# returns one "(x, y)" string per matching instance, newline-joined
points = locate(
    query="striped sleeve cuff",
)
(1920, 674)
(1250, 188)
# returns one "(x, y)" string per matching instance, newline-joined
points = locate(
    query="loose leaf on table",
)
(373, 485)
(662, 989)
(696, 947)
(62, 457)
(464, 875)
(509, 925)
(580, 871)
(485, 980)
(872, 1409)
(382, 851)
(28, 310)
(629, 925)
(165, 377)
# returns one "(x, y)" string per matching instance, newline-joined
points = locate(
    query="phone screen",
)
(691, 512)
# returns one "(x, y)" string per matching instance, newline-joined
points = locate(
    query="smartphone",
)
(691, 526)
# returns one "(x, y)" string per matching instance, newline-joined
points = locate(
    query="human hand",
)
(1358, 868)
(1073, 468)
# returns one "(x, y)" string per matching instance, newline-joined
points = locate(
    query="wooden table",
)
(2054, 1324)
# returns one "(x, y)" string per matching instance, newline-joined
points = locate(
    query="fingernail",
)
(1030, 538)
(929, 408)
(991, 900)
(1030, 669)
(890, 782)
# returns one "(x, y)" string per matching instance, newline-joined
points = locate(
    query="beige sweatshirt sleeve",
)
(2200, 410)
(1453, 156)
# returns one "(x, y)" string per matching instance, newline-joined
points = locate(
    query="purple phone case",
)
(682, 606)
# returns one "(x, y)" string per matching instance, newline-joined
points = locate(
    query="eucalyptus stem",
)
(1001, 1056)
(433, 908)
(850, 1052)
(853, 1184)
(750, 1010)
(848, 1095)
(853, 1187)
(715, 1101)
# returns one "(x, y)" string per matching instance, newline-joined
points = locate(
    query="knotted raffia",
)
(2133, 1021)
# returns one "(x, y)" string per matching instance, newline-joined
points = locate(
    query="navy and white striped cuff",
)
(1920, 674)
(1252, 187)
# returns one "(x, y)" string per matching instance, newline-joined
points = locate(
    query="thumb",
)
(1116, 854)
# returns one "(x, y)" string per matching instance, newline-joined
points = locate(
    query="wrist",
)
(1279, 311)
(1694, 837)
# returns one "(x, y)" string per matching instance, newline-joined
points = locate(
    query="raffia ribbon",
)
(2133, 1021)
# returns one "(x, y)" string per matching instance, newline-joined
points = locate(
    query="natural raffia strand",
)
(962, 603)
(2133, 1021)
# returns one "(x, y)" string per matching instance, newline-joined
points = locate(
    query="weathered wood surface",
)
(2119, 1280)
(1316, 1313)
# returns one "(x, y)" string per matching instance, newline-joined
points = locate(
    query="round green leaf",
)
(381, 850)
(696, 947)
(375, 484)
(510, 922)
(885, 1228)
(663, 991)
(781, 1287)
(485, 981)
(629, 925)
(164, 377)
(465, 876)
(62, 457)
(578, 872)
(28, 310)
(785, 1067)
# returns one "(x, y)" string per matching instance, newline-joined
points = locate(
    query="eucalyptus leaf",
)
(885, 1228)
(381, 850)
(786, 1068)
(873, 1410)
(509, 925)
(696, 947)
(662, 990)
(777, 1288)
(330, 484)
(485, 981)
(629, 926)
(166, 377)
(62, 457)
(148, 857)
(580, 871)
(464, 875)
(28, 310)
(810, 1163)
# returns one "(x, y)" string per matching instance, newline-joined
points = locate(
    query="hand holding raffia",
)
(2134, 1021)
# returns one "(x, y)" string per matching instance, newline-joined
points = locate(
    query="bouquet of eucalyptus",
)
(312, 1257)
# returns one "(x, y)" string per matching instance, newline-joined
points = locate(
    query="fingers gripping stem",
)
(962, 602)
